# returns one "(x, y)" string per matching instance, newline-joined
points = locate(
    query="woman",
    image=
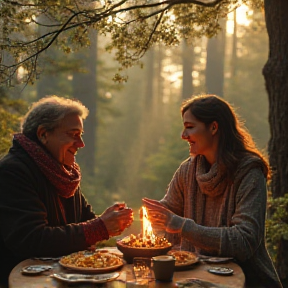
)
(217, 198)
(42, 210)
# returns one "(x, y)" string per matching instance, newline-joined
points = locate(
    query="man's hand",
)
(117, 218)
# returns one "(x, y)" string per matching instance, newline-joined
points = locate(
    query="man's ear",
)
(41, 134)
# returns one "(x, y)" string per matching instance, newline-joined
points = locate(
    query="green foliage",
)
(160, 166)
(31, 27)
(10, 112)
(277, 223)
(99, 196)
(6, 130)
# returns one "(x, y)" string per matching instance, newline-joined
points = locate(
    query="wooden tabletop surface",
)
(198, 270)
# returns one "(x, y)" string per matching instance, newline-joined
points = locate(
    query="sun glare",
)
(242, 17)
(21, 72)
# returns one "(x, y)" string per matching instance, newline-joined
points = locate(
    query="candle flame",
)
(147, 230)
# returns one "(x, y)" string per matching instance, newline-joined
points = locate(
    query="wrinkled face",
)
(64, 141)
(200, 138)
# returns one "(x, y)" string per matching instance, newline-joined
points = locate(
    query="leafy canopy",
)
(29, 27)
(10, 113)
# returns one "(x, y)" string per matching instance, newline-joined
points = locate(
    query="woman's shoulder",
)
(249, 168)
(187, 163)
(249, 162)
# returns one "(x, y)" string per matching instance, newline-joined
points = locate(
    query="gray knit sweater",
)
(223, 218)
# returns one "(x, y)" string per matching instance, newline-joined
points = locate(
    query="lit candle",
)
(146, 225)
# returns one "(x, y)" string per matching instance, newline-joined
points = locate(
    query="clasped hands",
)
(162, 219)
(117, 218)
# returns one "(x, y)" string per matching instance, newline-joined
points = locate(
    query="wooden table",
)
(198, 270)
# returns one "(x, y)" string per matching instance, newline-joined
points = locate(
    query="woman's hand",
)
(117, 218)
(161, 218)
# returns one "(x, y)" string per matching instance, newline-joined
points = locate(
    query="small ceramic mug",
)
(163, 267)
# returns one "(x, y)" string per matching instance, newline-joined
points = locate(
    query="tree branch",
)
(92, 16)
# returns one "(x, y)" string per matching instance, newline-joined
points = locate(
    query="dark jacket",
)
(34, 220)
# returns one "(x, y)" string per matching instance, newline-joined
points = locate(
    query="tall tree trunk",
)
(187, 64)
(275, 73)
(85, 89)
(47, 83)
(149, 97)
(234, 46)
(215, 62)
(159, 80)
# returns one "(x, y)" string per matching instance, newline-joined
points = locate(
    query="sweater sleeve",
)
(246, 232)
(95, 230)
(174, 199)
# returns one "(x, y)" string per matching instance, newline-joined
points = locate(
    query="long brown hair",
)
(234, 139)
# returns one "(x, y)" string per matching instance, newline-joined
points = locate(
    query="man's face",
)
(64, 141)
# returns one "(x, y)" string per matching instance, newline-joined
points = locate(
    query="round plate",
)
(92, 270)
(218, 259)
(35, 269)
(183, 258)
(195, 282)
(88, 269)
(112, 250)
(75, 278)
(221, 270)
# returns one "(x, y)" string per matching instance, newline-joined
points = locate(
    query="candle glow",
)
(147, 231)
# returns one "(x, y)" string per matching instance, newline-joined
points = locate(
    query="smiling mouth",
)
(73, 153)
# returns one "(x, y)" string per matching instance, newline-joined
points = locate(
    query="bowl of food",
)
(137, 246)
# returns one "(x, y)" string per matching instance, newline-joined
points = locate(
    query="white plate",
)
(75, 278)
(35, 269)
(221, 270)
(217, 259)
(197, 283)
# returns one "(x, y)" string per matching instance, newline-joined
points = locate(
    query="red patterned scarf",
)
(66, 182)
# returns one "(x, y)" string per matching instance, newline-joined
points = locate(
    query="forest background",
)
(132, 135)
(133, 143)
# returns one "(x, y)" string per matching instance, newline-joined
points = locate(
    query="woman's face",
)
(64, 141)
(202, 140)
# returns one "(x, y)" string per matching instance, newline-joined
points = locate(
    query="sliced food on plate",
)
(184, 258)
(92, 261)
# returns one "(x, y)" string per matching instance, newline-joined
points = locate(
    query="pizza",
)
(99, 259)
(183, 258)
